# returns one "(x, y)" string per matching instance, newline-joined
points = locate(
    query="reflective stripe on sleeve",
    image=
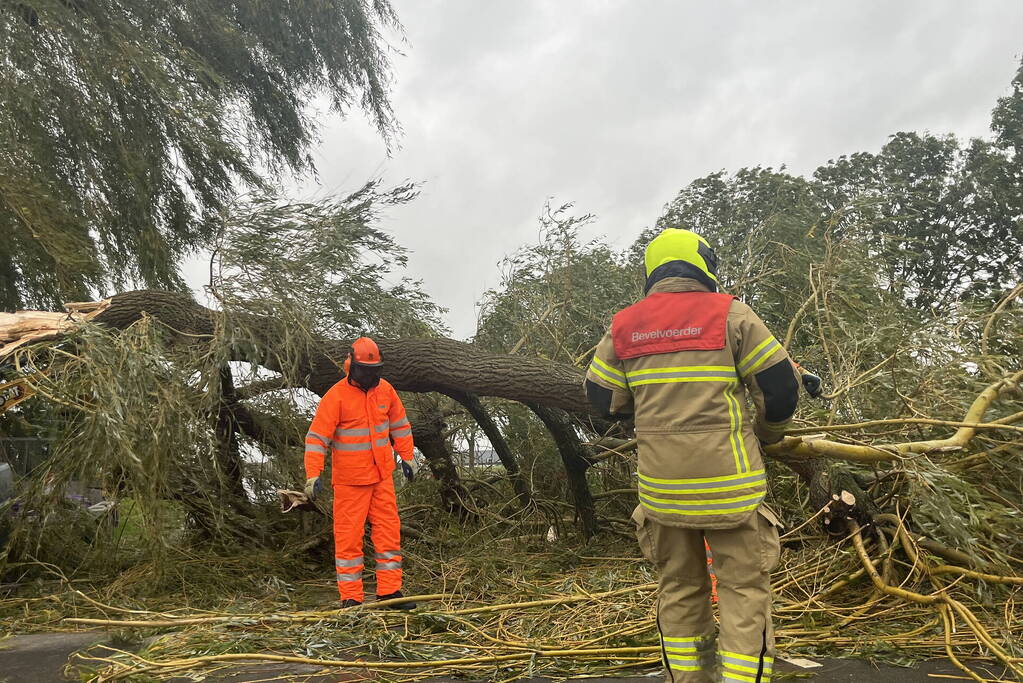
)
(322, 439)
(379, 443)
(399, 423)
(607, 373)
(398, 433)
(316, 448)
(758, 356)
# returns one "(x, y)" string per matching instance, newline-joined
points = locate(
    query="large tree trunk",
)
(831, 487)
(429, 364)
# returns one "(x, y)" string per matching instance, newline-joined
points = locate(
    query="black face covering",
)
(364, 376)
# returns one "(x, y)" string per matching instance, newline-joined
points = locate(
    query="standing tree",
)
(127, 126)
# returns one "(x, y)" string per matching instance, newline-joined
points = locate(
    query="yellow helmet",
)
(691, 255)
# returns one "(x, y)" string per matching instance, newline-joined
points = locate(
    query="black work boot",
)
(349, 602)
(398, 605)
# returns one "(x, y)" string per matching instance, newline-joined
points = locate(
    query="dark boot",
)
(399, 605)
(349, 602)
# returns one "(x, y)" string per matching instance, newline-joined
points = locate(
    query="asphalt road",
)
(41, 658)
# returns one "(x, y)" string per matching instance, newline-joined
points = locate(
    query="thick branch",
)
(810, 447)
(429, 364)
(504, 453)
(574, 457)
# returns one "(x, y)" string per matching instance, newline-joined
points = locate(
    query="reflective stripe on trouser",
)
(743, 558)
(353, 506)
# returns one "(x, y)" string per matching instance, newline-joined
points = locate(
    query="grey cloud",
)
(617, 105)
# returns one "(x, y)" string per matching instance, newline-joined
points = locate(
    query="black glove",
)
(812, 384)
(407, 470)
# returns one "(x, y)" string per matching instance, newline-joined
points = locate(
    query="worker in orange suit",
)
(361, 422)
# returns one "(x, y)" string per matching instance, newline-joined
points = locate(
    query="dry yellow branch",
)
(553, 601)
(815, 447)
(943, 602)
(193, 662)
(248, 618)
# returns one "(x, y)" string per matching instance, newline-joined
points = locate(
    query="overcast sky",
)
(616, 105)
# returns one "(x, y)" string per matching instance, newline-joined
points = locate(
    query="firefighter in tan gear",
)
(684, 361)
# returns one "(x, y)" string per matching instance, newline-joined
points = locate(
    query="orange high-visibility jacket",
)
(359, 428)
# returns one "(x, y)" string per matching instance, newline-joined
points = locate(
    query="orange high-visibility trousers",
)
(353, 505)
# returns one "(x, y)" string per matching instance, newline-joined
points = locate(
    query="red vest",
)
(666, 322)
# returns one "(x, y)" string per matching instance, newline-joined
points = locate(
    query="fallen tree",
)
(459, 369)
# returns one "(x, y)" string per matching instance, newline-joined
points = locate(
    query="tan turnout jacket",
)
(700, 460)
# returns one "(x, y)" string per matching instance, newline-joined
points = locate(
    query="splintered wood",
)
(26, 327)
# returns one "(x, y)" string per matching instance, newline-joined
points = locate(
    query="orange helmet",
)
(365, 352)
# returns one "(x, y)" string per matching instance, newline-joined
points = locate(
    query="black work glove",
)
(812, 384)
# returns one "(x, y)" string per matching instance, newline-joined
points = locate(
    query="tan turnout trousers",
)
(743, 560)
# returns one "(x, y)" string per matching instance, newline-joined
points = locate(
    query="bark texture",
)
(421, 365)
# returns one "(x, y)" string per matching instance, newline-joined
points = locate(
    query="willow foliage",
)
(128, 126)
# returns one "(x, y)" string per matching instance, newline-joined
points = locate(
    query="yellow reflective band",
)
(702, 480)
(694, 513)
(680, 650)
(668, 380)
(608, 369)
(752, 354)
(709, 501)
(718, 506)
(735, 431)
(604, 376)
(742, 668)
(759, 358)
(709, 489)
(731, 676)
(724, 369)
(763, 359)
(746, 658)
